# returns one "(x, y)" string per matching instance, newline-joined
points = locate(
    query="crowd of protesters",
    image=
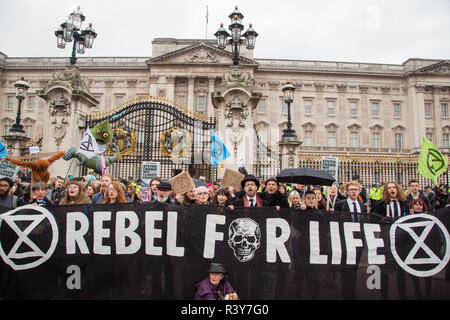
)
(255, 192)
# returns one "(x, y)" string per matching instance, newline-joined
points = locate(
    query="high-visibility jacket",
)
(374, 194)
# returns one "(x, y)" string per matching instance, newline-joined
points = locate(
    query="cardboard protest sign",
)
(233, 179)
(182, 182)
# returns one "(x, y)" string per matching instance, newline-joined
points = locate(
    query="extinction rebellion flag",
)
(431, 161)
(219, 151)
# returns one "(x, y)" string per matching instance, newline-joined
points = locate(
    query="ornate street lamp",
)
(236, 40)
(288, 91)
(21, 93)
(71, 30)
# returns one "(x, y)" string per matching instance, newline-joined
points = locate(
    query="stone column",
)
(170, 94)
(235, 103)
(288, 153)
(190, 98)
(68, 103)
(437, 116)
(209, 105)
(417, 113)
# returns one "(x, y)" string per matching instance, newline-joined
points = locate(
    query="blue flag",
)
(3, 151)
(219, 151)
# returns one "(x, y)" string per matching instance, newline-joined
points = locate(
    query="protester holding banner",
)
(8, 200)
(100, 196)
(164, 191)
(75, 194)
(294, 200)
(393, 203)
(272, 195)
(115, 193)
(202, 195)
(321, 202)
(251, 198)
(40, 190)
(189, 198)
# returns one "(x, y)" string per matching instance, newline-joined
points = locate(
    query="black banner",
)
(153, 251)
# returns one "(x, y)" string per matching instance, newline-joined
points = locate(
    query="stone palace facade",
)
(342, 109)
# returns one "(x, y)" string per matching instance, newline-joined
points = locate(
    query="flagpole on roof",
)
(206, 31)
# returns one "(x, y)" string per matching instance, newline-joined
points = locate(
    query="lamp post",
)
(70, 31)
(21, 93)
(236, 40)
(288, 91)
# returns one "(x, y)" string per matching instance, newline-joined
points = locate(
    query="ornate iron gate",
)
(156, 129)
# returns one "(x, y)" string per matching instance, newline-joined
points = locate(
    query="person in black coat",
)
(272, 194)
(357, 210)
(414, 193)
(394, 206)
(251, 198)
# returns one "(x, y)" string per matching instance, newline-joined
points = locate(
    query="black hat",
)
(217, 268)
(273, 179)
(250, 178)
(10, 182)
(164, 186)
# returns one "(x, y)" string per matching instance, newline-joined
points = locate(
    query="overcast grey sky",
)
(378, 31)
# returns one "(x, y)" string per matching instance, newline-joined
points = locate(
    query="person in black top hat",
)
(251, 198)
(215, 287)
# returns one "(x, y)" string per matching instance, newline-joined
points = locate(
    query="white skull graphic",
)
(244, 237)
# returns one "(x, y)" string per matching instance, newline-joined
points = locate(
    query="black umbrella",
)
(199, 183)
(306, 176)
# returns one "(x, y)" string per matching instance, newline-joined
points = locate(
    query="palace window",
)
(201, 103)
(262, 106)
(308, 107)
(376, 140)
(332, 138)
(444, 110)
(429, 136)
(353, 110)
(31, 102)
(10, 103)
(330, 108)
(28, 131)
(397, 110)
(398, 140)
(428, 110)
(308, 138)
(6, 129)
(354, 139)
(446, 141)
(375, 109)
(119, 100)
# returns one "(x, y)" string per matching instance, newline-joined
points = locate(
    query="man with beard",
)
(7, 200)
(164, 189)
(272, 194)
(100, 196)
(58, 191)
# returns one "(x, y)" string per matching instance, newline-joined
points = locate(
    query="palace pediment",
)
(442, 67)
(198, 54)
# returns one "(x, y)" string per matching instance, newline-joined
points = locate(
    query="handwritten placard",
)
(233, 179)
(182, 182)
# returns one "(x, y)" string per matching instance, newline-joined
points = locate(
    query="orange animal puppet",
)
(39, 168)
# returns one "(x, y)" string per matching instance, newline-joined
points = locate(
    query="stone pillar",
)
(170, 94)
(211, 84)
(417, 112)
(288, 153)
(68, 103)
(236, 102)
(190, 98)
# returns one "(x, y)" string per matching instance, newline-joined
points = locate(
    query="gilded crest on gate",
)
(176, 142)
(125, 140)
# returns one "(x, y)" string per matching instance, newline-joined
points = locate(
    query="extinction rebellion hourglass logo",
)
(28, 236)
(422, 258)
